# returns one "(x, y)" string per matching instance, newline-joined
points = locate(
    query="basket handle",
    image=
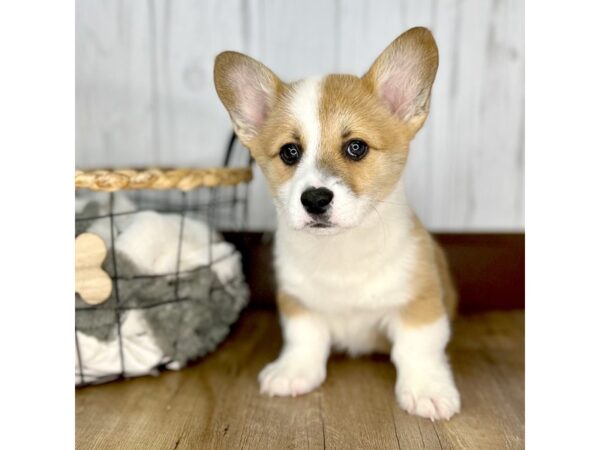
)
(229, 151)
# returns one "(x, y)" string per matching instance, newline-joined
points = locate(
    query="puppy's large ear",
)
(247, 89)
(403, 74)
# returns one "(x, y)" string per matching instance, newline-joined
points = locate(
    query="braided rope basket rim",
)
(184, 179)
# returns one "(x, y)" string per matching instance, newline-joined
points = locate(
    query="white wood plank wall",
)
(145, 94)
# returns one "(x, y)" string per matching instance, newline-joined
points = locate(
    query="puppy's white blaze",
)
(304, 107)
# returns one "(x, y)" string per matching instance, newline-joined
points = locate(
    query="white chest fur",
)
(364, 269)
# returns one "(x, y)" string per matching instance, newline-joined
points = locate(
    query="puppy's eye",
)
(356, 149)
(290, 154)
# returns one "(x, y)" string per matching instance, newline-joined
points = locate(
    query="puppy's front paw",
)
(434, 400)
(289, 376)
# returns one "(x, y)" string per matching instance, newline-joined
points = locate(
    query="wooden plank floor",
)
(216, 404)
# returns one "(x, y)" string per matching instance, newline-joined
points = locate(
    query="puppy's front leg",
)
(425, 385)
(302, 363)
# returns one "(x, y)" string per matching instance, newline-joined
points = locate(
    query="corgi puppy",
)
(356, 270)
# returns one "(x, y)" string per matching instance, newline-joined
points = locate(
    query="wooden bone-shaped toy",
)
(91, 282)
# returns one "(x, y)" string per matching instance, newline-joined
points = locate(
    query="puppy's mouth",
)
(320, 225)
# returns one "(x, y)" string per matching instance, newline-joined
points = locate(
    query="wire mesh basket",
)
(157, 286)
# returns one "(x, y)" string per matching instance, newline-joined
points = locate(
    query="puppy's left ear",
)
(402, 76)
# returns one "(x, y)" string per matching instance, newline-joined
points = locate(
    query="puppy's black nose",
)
(316, 200)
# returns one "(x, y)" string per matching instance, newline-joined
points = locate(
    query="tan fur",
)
(288, 305)
(449, 292)
(433, 289)
(349, 110)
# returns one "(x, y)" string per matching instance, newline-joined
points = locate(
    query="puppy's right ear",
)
(247, 89)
